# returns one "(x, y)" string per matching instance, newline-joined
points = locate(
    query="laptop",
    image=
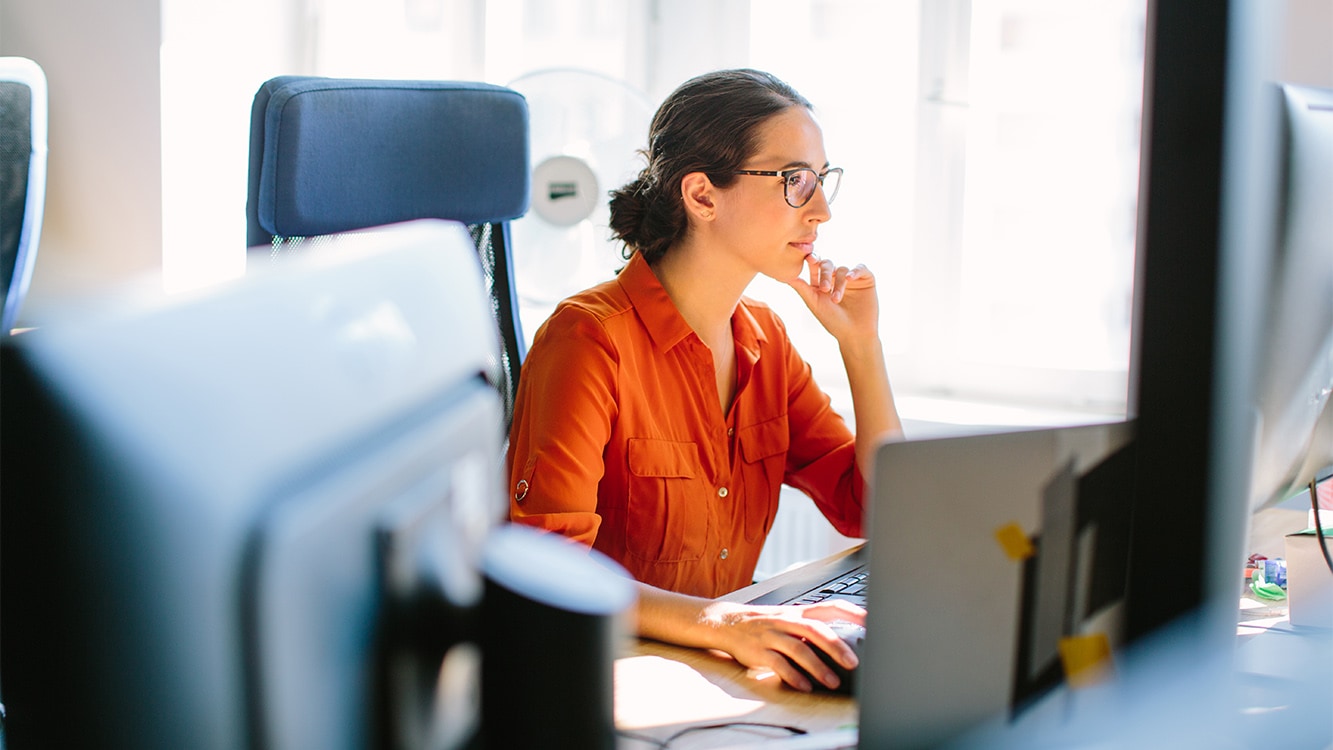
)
(998, 564)
(993, 572)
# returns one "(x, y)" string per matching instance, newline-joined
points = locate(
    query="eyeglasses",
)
(798, 185)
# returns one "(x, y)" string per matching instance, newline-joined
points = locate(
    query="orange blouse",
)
(618, 439)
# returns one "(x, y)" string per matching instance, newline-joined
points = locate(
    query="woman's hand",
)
(843, 300)
(779, 638)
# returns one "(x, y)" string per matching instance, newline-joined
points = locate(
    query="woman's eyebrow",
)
(797, 164)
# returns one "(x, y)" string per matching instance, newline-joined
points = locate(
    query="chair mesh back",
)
(15, 157)
(490, 249)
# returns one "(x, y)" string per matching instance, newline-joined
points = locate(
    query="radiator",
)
(800, 534)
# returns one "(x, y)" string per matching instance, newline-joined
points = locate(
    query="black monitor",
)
(250, 516)
(1233, 359)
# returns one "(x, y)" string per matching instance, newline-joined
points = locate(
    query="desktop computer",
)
(1232, 366)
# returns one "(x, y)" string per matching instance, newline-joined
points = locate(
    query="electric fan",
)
(586, 131)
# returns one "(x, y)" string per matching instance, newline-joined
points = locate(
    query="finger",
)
(827, 272)
(833, 610)
(830, 642)
(860, 277)
(839, 284)
(815, 634)
(805, 663)
(812, 262)
(829, 639)
(786, 670)
(820, 272)
(839, 650)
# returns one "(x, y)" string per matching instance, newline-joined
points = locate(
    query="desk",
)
(661, 689)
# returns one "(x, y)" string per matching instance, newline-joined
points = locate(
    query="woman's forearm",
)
(873, 406)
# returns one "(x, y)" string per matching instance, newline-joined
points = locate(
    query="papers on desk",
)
(654, 691)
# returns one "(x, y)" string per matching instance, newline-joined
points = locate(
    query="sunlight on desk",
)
(661, 690)
(655, 691)
(1256, 617)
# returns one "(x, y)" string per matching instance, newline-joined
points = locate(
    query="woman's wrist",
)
(678, 618)
(862, 351)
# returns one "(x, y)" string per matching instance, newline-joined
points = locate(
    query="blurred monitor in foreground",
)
(250, 516)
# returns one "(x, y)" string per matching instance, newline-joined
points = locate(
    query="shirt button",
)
(721, 491)
(724, 553)
(731, 431)
(520, 490)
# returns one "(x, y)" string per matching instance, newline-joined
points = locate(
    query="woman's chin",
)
(785, 276)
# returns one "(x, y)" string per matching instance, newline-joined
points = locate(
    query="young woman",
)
(659, 413)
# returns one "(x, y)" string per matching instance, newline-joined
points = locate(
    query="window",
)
(991, 149)
(1027, 181)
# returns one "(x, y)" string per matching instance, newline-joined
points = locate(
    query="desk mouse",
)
(853, 635)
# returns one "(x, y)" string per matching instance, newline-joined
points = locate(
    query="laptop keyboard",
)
(851, 586)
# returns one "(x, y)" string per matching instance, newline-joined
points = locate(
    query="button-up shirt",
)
(619, 439)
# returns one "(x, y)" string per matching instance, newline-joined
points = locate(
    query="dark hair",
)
(710, 124)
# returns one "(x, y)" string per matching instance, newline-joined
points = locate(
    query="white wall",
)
(138, 154)
(1308, 52)
(103, 216)
(215, 56)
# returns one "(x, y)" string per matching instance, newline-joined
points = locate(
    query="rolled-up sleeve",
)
(565, 406)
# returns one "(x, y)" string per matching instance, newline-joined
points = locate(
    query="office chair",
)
(23, 107)
(336, 155)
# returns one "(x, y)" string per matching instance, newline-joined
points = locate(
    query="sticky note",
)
(1014, 542)
(1086, 659)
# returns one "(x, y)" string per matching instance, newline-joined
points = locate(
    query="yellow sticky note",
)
(1014, 542)
(1086, 659)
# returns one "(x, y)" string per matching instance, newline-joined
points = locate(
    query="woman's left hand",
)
(843, 300)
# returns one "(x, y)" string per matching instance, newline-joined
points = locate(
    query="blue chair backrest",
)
(331, 155)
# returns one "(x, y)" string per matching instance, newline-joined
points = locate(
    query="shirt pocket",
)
(764, 459)
(666, 514)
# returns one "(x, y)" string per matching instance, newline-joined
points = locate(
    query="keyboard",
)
(851, 586)
(845, 577)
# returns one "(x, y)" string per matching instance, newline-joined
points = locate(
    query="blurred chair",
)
(23, 106)
(336, 155)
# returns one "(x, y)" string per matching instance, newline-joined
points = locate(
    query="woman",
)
(659, 413)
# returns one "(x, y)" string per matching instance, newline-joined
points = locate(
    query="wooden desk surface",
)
(661, 689)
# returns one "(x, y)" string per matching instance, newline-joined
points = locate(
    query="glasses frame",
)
(785, 174)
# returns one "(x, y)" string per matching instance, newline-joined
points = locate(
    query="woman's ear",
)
(697, 193)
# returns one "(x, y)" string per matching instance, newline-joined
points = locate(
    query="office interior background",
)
(990, 146)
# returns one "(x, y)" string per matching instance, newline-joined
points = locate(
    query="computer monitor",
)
(1231, 354)
(1294, 418)
(250, 516)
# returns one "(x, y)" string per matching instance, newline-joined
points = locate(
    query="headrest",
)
(333, 155)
